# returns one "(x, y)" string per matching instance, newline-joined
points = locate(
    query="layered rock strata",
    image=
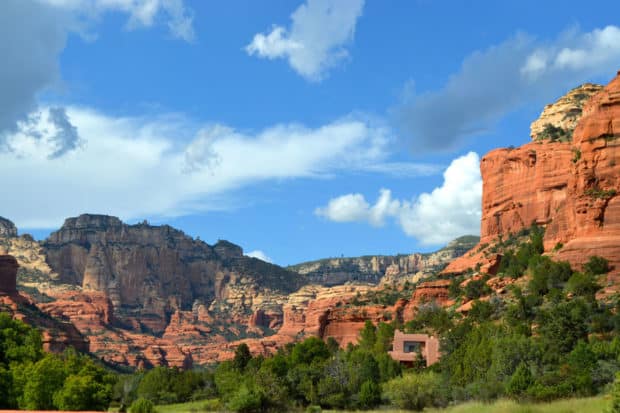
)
(570, 188)
(383, 269)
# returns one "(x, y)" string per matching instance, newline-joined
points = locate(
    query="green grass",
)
(189, 407)
(587, 405)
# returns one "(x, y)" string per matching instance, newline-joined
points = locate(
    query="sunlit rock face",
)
(572, 188)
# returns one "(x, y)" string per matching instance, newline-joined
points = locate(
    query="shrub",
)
(415, 391)
(142, 406)
(246, 400)
(520, 381)
(596, 265)
(370, 395)
(582, 284)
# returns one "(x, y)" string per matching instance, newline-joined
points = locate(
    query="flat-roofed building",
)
(407, 348)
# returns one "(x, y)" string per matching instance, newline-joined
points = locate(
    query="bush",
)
(246, 401)
(415, 391)
(596, 265)
(520, 381)
(370, 395)
(142, 406)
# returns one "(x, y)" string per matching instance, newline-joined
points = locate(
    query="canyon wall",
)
(383, 269)
(572, 187)
(149, 272)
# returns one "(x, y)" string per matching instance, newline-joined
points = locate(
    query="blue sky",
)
(298, 129)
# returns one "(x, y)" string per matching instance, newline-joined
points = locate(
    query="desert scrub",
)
(597, 193)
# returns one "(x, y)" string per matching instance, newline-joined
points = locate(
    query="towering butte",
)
(570, 186)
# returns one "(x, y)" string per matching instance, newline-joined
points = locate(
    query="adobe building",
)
(407, 348)
(8, 275)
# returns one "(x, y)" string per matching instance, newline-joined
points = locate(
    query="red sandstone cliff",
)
(572, 188)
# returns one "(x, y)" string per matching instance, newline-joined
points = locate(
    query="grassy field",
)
(589, 405)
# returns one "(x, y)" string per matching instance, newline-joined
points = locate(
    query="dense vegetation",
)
(34, 380)
(546, 338)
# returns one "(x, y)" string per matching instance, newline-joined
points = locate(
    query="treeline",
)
(309, 373)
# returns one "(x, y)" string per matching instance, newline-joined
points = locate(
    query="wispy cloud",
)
(163, 166)
(316, 40)
(493, 82)
(142, 13)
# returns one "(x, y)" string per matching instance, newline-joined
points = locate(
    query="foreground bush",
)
(142, 406)
(415, 391)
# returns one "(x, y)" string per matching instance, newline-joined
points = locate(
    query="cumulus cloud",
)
(354, 207)
(316, 40)
(260, 255)
(449, 211)
(495, 81)
(162, 166)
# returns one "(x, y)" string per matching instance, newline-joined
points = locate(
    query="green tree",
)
(83, 393)
(45, 378)
(242, 357)
(596, 265)
(369, 395)
(368, 336)
(520, 381)
(582, 284)
(142, 405)
(309, 350)
(415, 391)
(384, 338)
(246, 400)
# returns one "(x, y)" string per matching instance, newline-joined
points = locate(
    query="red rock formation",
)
(57, 335)
(571, 188)
(8, 275)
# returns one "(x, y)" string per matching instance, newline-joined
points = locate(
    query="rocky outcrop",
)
(563, 115)
(57, 335)
(383, 269)
(7, 228)
(150, 272)
(570, 188)
(8, 275)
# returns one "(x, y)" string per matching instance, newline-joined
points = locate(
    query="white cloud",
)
(163, 166)
(502, 78)
(260, 255)
(451, 210)
(447, 212)
(32, 36)
(353, 207)
(587, 52)
(316, 41)
(142, 13)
